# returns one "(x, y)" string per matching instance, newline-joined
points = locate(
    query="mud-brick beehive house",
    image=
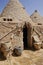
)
(15, 25)
(38, 28)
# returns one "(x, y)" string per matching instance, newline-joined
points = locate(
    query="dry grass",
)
(28, 57)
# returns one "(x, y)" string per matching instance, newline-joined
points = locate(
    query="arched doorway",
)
(25, 36)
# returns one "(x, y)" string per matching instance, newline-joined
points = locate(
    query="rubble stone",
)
(36, 42)
(18, 51)
(37, 46)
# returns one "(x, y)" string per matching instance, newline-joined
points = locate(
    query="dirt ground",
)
(28, 57)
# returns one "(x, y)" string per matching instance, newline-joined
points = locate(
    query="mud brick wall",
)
(11, 33)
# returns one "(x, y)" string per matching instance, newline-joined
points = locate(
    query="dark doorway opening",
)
(25, 37)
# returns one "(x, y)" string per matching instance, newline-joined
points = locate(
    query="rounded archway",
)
(27, 36)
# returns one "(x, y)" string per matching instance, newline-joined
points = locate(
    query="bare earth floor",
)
(28, 57)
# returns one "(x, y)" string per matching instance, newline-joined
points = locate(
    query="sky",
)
(30, 5)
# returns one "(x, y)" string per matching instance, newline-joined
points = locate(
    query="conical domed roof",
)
(36, 17)
(35, 13)
(15, 9)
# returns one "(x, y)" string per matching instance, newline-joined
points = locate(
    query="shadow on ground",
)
(2, 57)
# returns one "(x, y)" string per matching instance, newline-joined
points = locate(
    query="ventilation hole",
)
(4, 19)
(42, 41)
(10, 19)
(23, 7)
(35, 10)
(35, 17)
(39, 24)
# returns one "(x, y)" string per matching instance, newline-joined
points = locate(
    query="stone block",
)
(18, 51)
